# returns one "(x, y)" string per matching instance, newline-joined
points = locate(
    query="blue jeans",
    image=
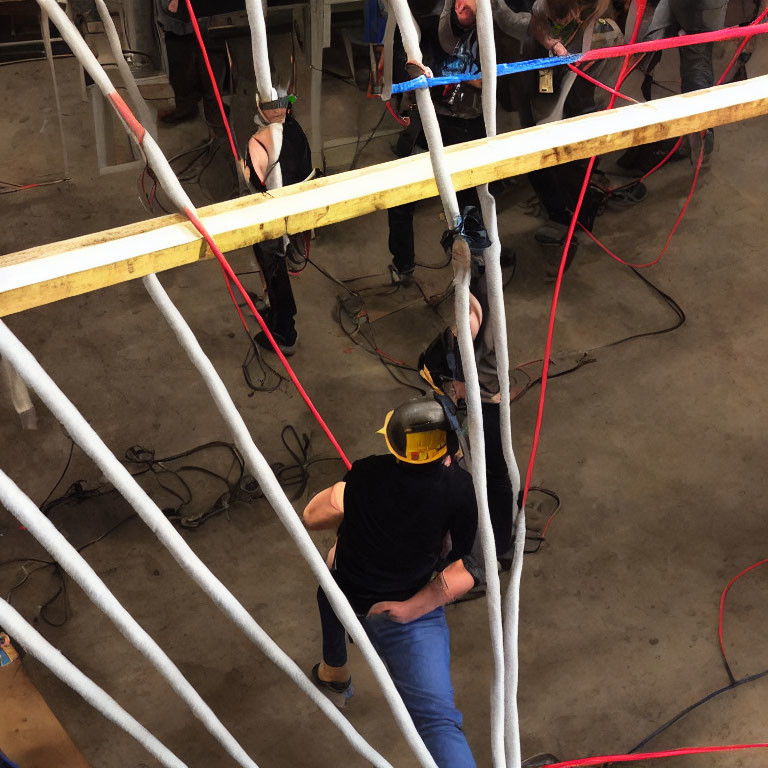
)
(418, 656)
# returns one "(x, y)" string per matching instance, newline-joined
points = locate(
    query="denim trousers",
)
(418, 656)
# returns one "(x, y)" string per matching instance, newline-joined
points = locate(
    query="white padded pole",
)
(485, 528)
(388, 54)
(511, 654)
(511, 727)
(116, 47)
(20, 398)
(273, 492)
(144, 505)
(25, 511)
(260, 51)
(84, 435)
(36, 645)
(409, 34)
(46, 33)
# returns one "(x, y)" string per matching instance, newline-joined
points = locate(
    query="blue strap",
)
(422, 81)
(5, 762)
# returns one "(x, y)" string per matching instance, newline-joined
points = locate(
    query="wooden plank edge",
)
(238, 223)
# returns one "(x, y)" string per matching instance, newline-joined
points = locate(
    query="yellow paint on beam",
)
(71, 267)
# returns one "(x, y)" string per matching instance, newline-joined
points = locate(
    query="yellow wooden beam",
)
(51, 272)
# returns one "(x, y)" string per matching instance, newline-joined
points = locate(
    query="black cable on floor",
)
(586, 357)
(680, 715)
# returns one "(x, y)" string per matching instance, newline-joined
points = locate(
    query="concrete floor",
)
(657, 451)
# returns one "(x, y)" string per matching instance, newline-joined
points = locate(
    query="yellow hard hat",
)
(417, 431)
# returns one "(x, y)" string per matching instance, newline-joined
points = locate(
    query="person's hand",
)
(401, 612)
(559, 49)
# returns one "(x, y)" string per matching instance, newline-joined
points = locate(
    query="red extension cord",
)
(193, 19)
(229, 274)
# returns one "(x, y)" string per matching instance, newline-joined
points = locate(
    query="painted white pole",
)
(36, 645)
(25, 511)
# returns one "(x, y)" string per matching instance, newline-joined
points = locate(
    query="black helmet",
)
(417, 431)
(441, 361)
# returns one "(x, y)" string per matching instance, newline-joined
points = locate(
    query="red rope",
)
(601, 85)
(677, 221)
(742, 46)
(215, 87)
(722, 610)
(229, 273)
(404, 121)
(556, 293)
(656, 755)
(729, 33)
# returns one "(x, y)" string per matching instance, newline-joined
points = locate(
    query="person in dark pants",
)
(190, 81)
(440, 366)
(392, 513)
(673, 17)
(455, 130)
(459, 115)
(187, 72)
(295, 163)
(558, 187)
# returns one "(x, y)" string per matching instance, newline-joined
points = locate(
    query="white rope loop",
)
(125, 71)
(274, 493)
(92, 445)
(266, 92)
(428, 117)
(494, 282)
(25, 511)
(36, 645)
(511, 655)
(260, 50)
(170, 538)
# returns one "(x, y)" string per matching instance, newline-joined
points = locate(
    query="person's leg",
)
(501, 501)
(334, 636)
(217, 55)
(183, 77)
(282, 306)
(662, 22)
(547, 188)
(418, 656)
(696, 60)
(401, 237)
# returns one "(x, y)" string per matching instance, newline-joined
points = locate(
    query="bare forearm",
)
(449, 585)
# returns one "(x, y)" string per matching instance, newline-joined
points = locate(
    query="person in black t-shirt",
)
(260, 160)
(393, 512)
